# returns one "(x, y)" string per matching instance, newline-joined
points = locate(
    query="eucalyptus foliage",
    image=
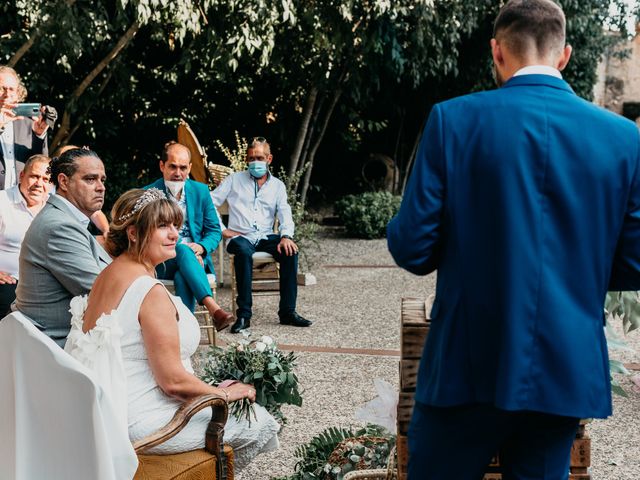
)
(123, 73)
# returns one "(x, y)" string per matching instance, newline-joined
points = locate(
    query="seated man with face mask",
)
(199, 234)
(255, 197)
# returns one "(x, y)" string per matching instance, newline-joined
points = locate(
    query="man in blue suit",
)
(199, 235)
(526, 200)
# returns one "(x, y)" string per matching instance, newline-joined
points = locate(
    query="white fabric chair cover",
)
(56, 423)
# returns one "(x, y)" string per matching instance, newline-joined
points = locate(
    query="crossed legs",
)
(191, 283)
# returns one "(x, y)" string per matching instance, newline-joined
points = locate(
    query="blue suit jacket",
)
(201, 217)
(526, 200)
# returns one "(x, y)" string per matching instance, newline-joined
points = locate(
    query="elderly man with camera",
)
(23, 127)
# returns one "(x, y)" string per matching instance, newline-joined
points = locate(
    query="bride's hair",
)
(146, 211)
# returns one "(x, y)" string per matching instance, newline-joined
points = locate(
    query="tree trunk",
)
(396, 153)
(414, 152)
(316, 144)
(62, 135)
(302, 165)
(24, 48)
(303, 131)
(84, 114)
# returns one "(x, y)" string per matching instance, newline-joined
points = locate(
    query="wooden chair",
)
(414, 330)
(57, 422)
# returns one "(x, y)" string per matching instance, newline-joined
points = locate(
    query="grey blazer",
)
(59, 259)
(26, 144)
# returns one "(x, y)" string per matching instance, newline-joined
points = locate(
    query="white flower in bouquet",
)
(267, 340)
(260, 346)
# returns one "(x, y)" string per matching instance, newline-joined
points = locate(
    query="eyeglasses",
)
(259, 140)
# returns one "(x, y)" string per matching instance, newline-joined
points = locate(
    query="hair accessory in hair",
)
(149, 196)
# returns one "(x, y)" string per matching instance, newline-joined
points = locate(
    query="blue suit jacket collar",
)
(538, 80)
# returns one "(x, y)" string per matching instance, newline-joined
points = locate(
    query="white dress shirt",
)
(252, 209)
(538, 70)
(8, 152)
(15, 218)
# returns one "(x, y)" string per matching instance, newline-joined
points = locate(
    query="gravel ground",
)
(360, 308)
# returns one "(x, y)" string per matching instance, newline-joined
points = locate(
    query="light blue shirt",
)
(253, 209)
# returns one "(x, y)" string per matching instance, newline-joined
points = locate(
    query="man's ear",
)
(564, 58)
(161, 165)
(21, 176)
(269, 158)
(496, 52)
(63, 182)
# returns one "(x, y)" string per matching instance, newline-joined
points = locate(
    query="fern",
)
(313, 456)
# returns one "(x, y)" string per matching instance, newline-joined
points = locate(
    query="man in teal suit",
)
(526, 200)
(199, 235)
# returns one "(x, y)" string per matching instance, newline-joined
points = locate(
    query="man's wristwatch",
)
(286, 236)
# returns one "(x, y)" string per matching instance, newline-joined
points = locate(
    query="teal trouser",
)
(189, 277)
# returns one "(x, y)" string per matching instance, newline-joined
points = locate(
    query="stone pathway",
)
(355, 338)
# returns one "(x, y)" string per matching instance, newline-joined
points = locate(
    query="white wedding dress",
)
(115, 352)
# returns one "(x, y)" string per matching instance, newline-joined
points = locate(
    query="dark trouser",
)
(7, 296)
(243, 250)
(447, 443)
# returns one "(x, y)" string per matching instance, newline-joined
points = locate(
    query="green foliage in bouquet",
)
(261, 364)
(367, 215)
(624, 306)
(336, 451)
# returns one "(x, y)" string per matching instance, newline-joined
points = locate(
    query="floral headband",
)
(149, 196)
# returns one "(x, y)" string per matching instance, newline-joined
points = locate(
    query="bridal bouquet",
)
(261, 364)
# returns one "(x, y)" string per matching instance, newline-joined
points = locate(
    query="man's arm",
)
(221, 192)
(413, 236)
(625, 274)
(71, 259)
(283, 212)
(211, 231)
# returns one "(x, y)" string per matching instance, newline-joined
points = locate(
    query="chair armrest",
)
(187, 410)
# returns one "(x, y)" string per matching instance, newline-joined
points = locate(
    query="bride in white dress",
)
(138, 339)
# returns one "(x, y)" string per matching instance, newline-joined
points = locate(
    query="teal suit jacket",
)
(526, 200)
(201, 217)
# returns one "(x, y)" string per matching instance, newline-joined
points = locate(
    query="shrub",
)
(366, 215)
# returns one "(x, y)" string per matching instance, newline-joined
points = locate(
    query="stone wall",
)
(618, 85)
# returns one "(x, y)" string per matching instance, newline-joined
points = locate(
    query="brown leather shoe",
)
(222, 319)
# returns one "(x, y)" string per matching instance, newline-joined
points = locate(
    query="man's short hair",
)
(168, 146)
(524, 24)
(37, 158)
(260, 141)
(67, 163)
(22, 90)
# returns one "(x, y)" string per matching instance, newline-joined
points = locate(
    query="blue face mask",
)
(258, 169)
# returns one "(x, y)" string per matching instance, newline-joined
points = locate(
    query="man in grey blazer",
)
(59, 258)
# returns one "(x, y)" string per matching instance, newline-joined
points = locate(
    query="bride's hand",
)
(238, 391)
